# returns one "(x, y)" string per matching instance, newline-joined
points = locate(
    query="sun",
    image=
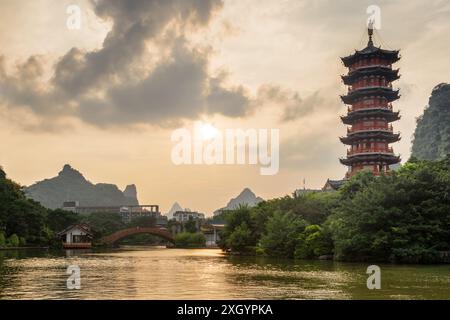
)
(208, 131)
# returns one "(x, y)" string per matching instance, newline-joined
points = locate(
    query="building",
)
(182, 216)
(333, 185)
(127, 213)
(70, 205)
(77, 236)
(212, 235)
(370, 112)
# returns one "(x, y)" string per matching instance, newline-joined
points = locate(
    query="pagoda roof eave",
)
(389, 115)
(389, 137)
(387, 158)
(390, 94)
(393, 55)
(388, 73)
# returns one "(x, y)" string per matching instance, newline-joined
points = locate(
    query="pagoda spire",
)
(370, 32)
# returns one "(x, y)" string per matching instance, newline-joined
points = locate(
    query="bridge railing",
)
(162, 232)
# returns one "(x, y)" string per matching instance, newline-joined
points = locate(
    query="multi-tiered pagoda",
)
(370, 113)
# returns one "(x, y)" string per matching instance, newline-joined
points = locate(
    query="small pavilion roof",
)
(81, 226)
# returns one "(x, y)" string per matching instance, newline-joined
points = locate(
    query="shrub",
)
(2, 240)
(190, 240)
(13, 240)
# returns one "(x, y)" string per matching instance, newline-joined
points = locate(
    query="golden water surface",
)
(160, 273)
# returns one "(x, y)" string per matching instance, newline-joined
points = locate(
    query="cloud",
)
(294, 106)
(146, 72)
(318, 149)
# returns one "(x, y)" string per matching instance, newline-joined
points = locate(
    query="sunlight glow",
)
(208, 131)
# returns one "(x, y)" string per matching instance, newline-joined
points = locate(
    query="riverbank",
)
(442, 258)
(24, 248)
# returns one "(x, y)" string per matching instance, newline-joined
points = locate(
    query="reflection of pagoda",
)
(370, 112)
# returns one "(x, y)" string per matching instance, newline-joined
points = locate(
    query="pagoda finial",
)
(370, 32)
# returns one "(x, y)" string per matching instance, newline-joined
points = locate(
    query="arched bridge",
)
(161, 232)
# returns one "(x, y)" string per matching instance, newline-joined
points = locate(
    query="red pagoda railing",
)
(374, 85)
(351, 152)
(356, 129)
(357, 107)
(364, 64)
(370, 82)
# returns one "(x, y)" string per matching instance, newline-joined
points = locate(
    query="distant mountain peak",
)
(130, 191)
(70, 185)
(69, 172)
(175, 207)
(246, 197)
(247, 191)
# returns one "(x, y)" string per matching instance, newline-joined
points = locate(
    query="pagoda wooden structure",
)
(370, 113)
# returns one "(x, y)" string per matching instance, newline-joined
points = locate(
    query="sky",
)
(106, 97)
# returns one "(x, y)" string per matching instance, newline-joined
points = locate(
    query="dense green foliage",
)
(190, 240)
(104, 223)
(2, 240)
(276, 227)
(144, 222)
(402, 217)
(190, 226)
(432, 135)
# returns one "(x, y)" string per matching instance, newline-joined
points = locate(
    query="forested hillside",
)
(432, 135)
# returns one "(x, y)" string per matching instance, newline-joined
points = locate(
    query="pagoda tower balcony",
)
(380, 113)
(386, 92)
(358, 151)
(364, 65)
(362, 129)
(385, 136)
(361, 74)
(371, 158)
(359, 86)
(373, 106)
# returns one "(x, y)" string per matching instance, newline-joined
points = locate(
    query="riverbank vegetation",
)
(22, 221)
(403, 217)
(190, 240)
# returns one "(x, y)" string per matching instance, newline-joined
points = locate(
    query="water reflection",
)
(159, 273)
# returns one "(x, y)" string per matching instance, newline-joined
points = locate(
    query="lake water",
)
(160, 273)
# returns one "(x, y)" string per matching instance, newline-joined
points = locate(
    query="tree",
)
(313, 242)
(282, 232)
(59, 219)
(2, 240)
(240, 239)
(190, 240)
(13, 241)
(190, 226)
(105, 223)
(402, 217)
(19, 215)
(239, 232)
(144, 222)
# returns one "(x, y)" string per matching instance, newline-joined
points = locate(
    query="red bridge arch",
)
(161, 232)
